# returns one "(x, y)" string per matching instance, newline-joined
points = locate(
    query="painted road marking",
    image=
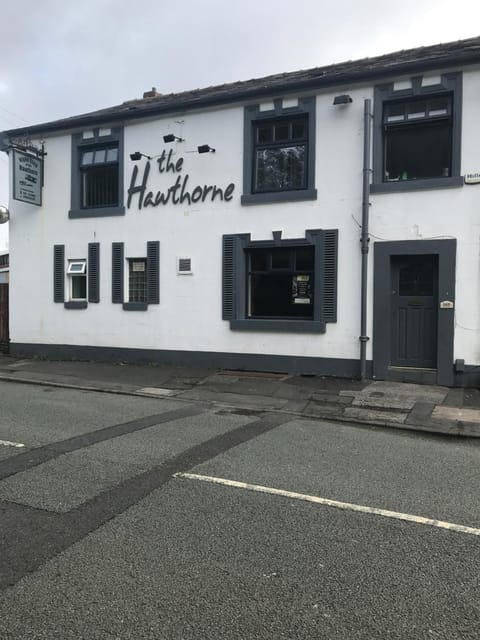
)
(440, 524)
(7, 443)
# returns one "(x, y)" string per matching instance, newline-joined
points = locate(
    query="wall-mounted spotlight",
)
(343, 99)
(205, 148)
(171, 138)
(4, 215)
(137, 156)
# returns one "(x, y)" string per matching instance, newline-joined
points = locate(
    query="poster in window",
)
(301, 290)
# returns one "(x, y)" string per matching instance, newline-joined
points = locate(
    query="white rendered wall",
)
(189, 314)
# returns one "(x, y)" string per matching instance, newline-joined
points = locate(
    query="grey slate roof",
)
(460, 53)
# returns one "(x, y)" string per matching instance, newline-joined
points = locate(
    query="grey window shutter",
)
(117, 272)
(59, 273)
(94, 272)
(330, 263)
(228, 277)
(153, 272)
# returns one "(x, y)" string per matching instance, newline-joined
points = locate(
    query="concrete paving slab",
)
(259, 403)
(156, 391)
(70, 480)
(458, 415)
(375, 416)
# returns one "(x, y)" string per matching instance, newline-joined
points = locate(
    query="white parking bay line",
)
(7, 443)
(348, 506)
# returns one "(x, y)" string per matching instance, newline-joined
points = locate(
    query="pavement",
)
(436, 409)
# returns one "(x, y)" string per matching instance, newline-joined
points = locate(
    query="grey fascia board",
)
(264, 90)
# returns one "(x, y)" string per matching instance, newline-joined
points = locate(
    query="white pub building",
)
(322, 222)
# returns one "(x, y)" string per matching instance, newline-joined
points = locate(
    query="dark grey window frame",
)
(79, 144)
(235, 281)
(451, 83)
(252, 115)
(153, 276)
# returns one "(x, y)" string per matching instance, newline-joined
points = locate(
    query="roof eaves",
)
(337, 74)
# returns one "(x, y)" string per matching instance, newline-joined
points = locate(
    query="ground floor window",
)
(281, 282)
(137, 280)
(77, 273)
(280, 285)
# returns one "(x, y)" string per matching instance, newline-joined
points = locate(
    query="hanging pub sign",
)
(301, 290)
(27, 178)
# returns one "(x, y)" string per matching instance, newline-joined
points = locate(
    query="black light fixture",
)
(137, 156)
(171, 138)
(205, 148)
(343, 99)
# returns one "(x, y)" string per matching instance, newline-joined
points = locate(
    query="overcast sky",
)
(62, 58)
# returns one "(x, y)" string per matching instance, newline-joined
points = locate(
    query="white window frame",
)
(75, 269)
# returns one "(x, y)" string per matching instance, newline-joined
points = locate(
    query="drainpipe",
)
(364, 239)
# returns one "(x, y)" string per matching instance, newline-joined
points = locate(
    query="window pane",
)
(416, 110)
(271, 296)
(281, 258)
(100, 156)
(299, 130)
(87, 157)
(258, 260)
(79, 287)
(112, 155)
(265, 134)
(281, 168)
(305, 257)
(281, 132)
(137, 280)
(439, 106)
(394, 112)
(100, 186)
(418, 151)
(418, 279)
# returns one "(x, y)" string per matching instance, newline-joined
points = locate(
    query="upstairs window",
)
(97, 173)
(418, 139)
(279, 151)
(280, 154)
(417, 133)
(99, 177)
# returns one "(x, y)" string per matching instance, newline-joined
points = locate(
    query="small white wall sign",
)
(27, 178)
(446, 304)
(472, 178)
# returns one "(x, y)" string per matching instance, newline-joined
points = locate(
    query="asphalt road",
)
(105, 535)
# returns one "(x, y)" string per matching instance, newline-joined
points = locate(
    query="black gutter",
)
(364, 238)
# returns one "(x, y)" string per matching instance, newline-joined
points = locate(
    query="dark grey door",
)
(414, 304)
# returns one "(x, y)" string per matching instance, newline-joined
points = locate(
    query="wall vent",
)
(184, 266)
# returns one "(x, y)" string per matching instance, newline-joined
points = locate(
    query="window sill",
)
(279, 196)
(417, 185)
(299, 326)
(135, 306)
(76, 304)
(100, 212)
